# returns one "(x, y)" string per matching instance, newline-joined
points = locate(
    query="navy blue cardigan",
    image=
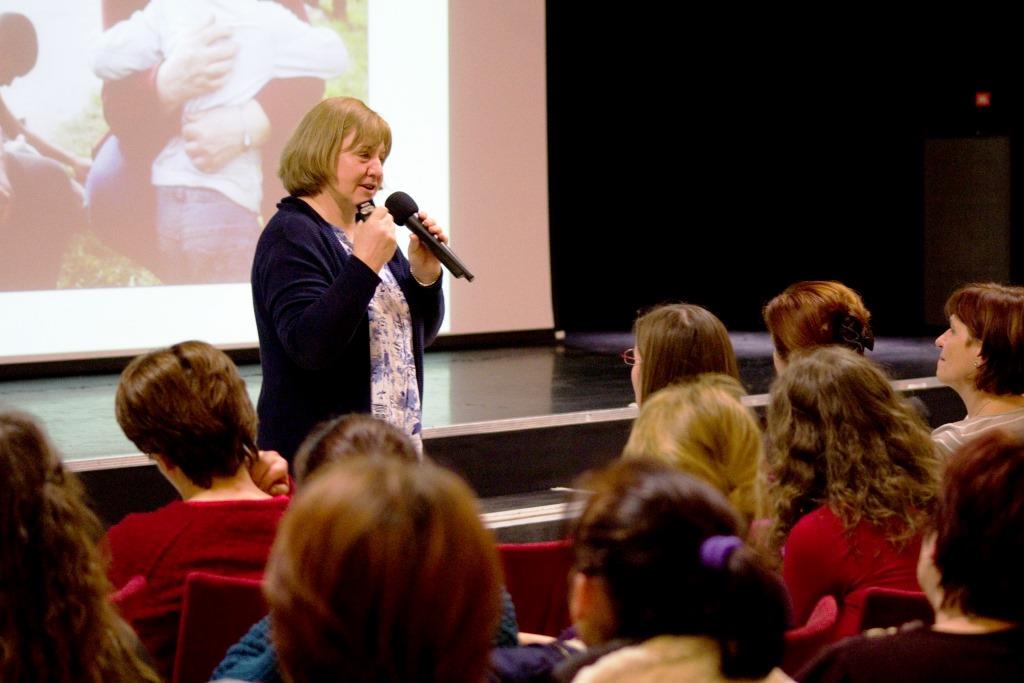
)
(311, 299)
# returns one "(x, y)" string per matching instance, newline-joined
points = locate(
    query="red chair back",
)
(884, 607)
(537, 578)
(215, 613)
(804, 642)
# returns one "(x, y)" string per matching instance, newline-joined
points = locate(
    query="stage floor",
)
(582, 374)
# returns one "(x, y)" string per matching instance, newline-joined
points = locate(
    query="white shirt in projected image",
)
(272, 43)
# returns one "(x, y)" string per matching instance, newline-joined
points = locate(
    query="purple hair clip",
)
(715, 550)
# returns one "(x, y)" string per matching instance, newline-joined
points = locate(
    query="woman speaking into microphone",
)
(342, 315)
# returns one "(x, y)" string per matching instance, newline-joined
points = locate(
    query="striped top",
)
(950, 437)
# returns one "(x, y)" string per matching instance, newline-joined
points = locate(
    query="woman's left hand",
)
(425, 266)
(214, 137)
(270, 473)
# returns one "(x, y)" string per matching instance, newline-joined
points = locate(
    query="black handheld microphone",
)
(403, 209)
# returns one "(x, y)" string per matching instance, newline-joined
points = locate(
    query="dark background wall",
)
(694, 160)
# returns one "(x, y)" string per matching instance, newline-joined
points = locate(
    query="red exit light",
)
(982, 99)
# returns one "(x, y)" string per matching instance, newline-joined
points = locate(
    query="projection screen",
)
(94, 182)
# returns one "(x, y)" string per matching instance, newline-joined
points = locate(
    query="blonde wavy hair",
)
(701, 427)
(840, 436)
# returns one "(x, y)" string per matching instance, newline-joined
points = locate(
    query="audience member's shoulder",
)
(950, 436)
(851, 659)
(147, 522)
(915, 653)
(819, 520)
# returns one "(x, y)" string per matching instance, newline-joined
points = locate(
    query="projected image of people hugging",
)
(212, 58)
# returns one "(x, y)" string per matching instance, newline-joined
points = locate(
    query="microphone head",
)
(401, 207)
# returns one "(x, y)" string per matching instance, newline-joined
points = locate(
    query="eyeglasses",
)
(629, 357)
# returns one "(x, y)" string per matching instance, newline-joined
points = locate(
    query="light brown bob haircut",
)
(701, 427)
(994, 315)
(188, 403)
(309, 161)
(350, 436)
(383, 571)
(817, 313)
(676, 341)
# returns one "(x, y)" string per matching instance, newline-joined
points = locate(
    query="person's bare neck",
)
(982, 403)
(238, 486)
(953, 620)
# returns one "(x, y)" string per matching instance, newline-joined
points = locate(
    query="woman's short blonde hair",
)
(700, 427)
(310, 157)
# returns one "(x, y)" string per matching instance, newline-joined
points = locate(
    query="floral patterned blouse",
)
(394, 393)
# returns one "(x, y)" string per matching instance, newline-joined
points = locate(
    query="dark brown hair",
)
(643, 531)
(382, 571)
(19, 45)
(350, 436)
(979, 525)
(841, 437)
(676, 341)
(817, 313)
(994, 315)
(188, 404)
(57, 623)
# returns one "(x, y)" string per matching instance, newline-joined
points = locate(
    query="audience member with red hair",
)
(982, 360)
(817, 313)
(382, 571)
(57, 622)
(855, 475)
(187, 408)
(970, 568)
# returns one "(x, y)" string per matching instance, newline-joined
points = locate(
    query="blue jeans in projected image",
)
(203, 236)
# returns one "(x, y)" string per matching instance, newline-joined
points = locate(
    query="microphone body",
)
(403, 209)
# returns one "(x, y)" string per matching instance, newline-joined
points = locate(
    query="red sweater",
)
(231, 538)
(821, 558)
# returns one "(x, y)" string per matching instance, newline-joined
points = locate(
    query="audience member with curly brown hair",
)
(970, 569)
(57, 624)
(855, 474)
